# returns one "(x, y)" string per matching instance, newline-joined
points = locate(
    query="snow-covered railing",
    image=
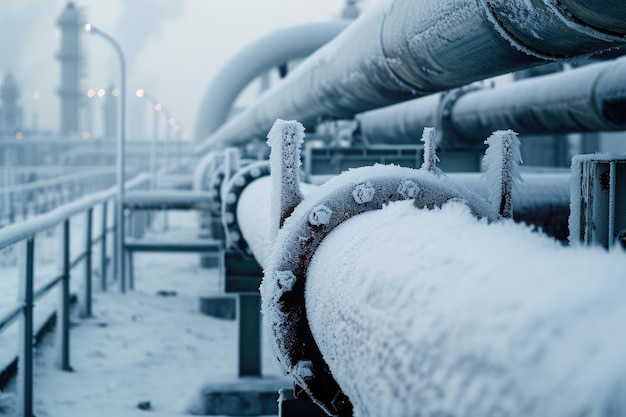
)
(23, 235)
(40, 196)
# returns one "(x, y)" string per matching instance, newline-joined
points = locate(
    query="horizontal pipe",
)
(428, 313)
(265, 53)
(586, 99)
(405, 49)
(253, 215)
(541, 200)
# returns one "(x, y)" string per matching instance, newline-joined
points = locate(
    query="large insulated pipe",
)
(586, 99)
(436, 313)
(273, 49)
(541, 200)
(405, 49)
(420, 308)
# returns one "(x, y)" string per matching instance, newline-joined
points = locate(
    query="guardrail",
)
(23, 234)
(18, 201)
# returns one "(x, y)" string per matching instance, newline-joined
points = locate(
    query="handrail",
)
(17, 232)
(49, 182)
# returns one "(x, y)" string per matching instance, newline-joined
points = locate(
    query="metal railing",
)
(23, 235)
(18, 201)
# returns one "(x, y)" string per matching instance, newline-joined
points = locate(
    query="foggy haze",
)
(173, 48)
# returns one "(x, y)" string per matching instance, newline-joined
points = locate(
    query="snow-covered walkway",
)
(143, 347)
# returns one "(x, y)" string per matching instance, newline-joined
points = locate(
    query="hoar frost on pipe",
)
(430, 151)
(285, 139)
(501, 159)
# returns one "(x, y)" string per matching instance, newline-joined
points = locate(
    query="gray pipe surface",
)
(435, 313)
(586, 99)
(404, 49)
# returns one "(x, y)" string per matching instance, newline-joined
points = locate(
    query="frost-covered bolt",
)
(363, 193)
(285, 280)
(231, 198)
(320, 215)
(303, 370)
(240, 181)
(229, 218)
(255, 172)
(235, 236)
(409, 189)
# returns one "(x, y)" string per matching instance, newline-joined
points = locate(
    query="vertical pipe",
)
(88, 259)
(64, 307)
(25, 365)
(103, 249)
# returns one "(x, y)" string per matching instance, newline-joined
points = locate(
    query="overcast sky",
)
(173, 47)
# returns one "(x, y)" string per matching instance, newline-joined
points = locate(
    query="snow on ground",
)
(142, 346)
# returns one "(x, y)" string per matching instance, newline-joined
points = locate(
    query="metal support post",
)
(25, 365)
(11, 208)
(63, 312)
(88, 253)
(249, 334)
(243, 276)
(115, 241)
(103, 249)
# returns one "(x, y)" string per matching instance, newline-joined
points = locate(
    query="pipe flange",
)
(233, 190)
(215, 185)
(446, 136)
(351, 193)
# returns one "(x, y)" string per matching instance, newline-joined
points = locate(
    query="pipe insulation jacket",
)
(437, 313)
(586, 99)
(405, 49)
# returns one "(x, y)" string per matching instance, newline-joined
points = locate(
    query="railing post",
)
(63, 312)
(11, 207)
(103, 249)
(115, 241)
(25, 359)
(88, 252)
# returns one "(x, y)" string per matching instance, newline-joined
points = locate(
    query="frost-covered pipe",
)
(320, 213)
(586, 99)
(437, 313)
(404, 49)
(275, 48)
(541, 200)
(254, 218)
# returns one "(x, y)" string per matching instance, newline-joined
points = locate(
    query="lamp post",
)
(169, 127)
(157, 107)
(121, 174)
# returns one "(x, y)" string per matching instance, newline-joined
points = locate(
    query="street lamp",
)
(157, 107)
(121, 143)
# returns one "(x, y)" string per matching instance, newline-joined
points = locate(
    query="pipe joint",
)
(352, 193)
(232, 192)
(446, 136)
